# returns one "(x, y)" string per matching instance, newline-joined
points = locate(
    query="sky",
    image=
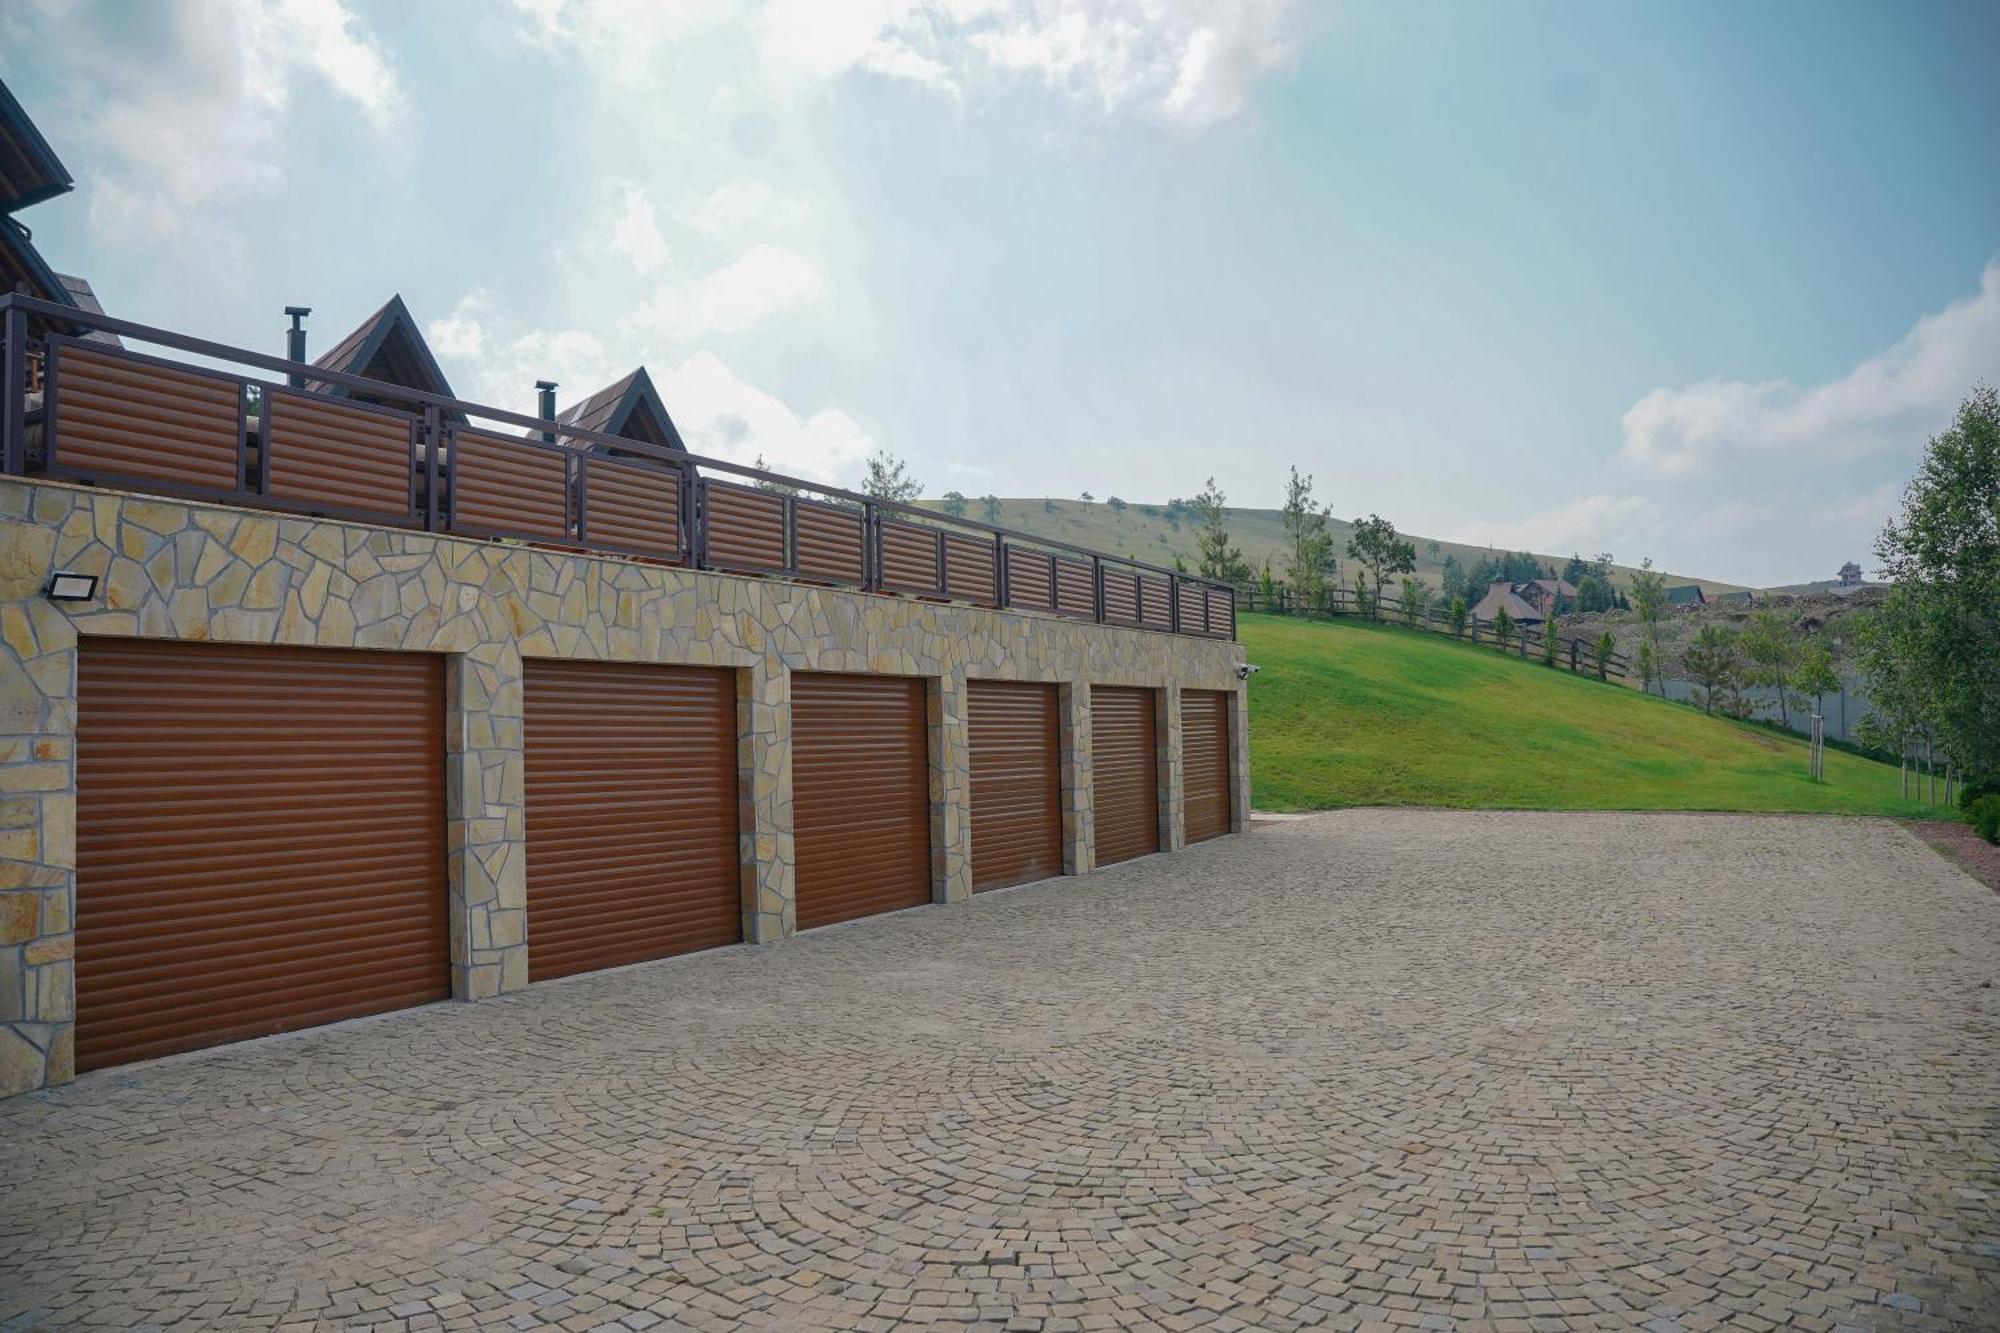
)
(1693, 281)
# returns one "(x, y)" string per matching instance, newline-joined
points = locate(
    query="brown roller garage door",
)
(1016, 782)
(260, 842)
(860, 796)
(1125, 773)
(1205, 762)
(631, 794)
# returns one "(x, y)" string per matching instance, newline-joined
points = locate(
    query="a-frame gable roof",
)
(387, 346)
(30, 171)
(630, 407)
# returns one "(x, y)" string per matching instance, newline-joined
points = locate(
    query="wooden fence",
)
(1576, 653)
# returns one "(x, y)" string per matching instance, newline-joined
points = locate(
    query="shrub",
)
(1974, 788)
(1984, 816)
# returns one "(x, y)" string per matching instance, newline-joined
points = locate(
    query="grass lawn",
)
(1356, 714)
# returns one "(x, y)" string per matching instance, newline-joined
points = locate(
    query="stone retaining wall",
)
(177, 570)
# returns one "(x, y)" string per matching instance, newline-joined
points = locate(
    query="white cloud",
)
(1592, 523)
(1863, 514)
(1187, 62)
(636, 235)
(766, 280)
(195, 121)
(1888, 401)
(738, 205)
(725, 417)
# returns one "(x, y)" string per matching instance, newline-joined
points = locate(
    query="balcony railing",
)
(91, 412)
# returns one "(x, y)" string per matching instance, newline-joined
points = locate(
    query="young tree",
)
(1310, 560)
(1549, 641)
(1364, 602)
(1607, 648)
(1503, 628)
(887, 478)
(1649, 602)
(989, 506)
(1117, 505)
(1431, 548)
(1940, 625)
(765, 484)
(1648, 662)
(1713, 664)
(1380, 551)
(1815, 677)
(1416, 599)
(1457, 616)
(1086, 497)
(954, 503)
(1593, 594)
(1218, 559)
(1771, 655)
(1451, 578)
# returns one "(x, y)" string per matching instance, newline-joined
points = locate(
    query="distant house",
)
(1529, 602)
(30, 172)
(629, 408)
(1686, 594)
(387, 346)
(1741, 597)
(1850, 575)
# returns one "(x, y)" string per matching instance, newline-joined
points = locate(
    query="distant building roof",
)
(387, 346)
(1740, 597)
(22, 269)
(629, 407)
(30, 171)
(1501, 595)
(1686, 594)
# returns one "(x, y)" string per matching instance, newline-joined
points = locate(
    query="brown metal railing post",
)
(14, 395)
(1000, 588)
(1174, 602)
(788, 512)
(1097, 585)
(943, 572)
(871, 548)
(698, 530)
(433, 423)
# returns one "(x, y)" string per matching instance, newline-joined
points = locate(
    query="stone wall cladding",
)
(180, 570)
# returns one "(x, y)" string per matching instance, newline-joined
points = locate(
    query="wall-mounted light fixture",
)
(66, 585)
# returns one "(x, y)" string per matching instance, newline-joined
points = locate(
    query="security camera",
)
(1247, 669)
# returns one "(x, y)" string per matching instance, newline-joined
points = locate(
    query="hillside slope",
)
(1142, 532)
(1355, 714)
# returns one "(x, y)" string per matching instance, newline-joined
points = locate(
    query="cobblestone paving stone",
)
(1380, 1069)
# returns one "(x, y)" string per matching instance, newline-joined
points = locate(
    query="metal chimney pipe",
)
(545, 395)
(295, 340)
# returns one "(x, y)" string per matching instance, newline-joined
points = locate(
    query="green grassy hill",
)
(1355, 714)
(1142, 532)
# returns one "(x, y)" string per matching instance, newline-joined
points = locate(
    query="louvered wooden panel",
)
(1028, 585)
(1121, 596)
(969, 568)
(631, 800)
(1221, 612)
(1205, 763)
(1155, 601)
(508, 487)
(746, 528)
(632, 505)
(260, 842)
(1016, 782)
(1125, 771)
(124, 416)
(860, 796)
(910, 557)
(1192, 603)
(1076, 588)
(829, 542)
(320, 451)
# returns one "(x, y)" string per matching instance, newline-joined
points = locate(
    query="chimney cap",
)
(545, 384)
(298, 311)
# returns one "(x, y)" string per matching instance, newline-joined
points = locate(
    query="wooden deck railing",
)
(302, 439)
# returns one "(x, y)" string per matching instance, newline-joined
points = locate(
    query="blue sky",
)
(1689, 280)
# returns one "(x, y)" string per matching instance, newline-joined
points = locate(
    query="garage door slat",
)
(1205, 763)
(260, 842)
(1016, 762)
(860, 796)
(632, 814)
(1124, 767)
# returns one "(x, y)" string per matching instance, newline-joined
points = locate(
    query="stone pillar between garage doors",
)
(486, 821)
(1078, 785)
(1173, 808)
(950, 787)
(1239, 759)
(769, 862)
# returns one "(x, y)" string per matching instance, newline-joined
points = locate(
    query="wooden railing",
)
(308, 440)
(1576, 652)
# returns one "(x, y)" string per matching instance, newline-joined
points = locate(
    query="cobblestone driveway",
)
(1377, 1069)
